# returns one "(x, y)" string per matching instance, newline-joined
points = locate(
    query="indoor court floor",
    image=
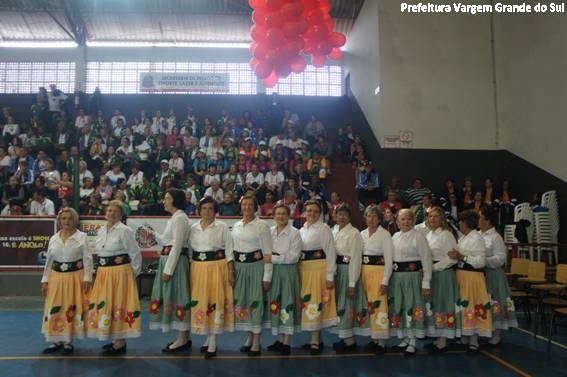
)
(20, 355)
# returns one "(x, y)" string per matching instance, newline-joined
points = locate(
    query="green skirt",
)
(440, 314)
(283, 306)
(353, 312)
(170, 302)
(406, 306)
(249, 297)
(501, 303)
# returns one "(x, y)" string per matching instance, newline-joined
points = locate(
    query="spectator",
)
(24, 175)
(391, 201)
(336, 201)
(104, 189)
(56, 99)
(215, 191)
(190, 209)
(368, 186)
(274, 180)
(211, 176)
(95, 207)
(136, 177)
(390, 224)
(5, 164)
(41, 205)
(254, 180)
(12, 192)
(313, 129)
(421, 210)
(176, 162)
(11, 129)
(414, 194)
(228, 207)
(115, 174)
(266, 209)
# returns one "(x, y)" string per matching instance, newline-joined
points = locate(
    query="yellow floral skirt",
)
(371, 278)
(318, 305)
(474, 304)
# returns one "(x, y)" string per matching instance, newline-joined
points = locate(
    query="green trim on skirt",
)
(503, 310)
(441, 314)
(353, 312)
(406, 306)
(283, 305)
(249, 297)
(170, 307)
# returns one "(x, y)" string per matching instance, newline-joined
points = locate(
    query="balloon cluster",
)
(285, 30)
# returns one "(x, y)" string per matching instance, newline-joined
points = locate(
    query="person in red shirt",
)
(266, 209)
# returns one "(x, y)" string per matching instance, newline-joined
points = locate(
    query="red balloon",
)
(310, 4)
(336, 54)
(273, 56)
(273, 5)
(257, 4)
(259, 17)
(320, 31)
(254, 63)
(258, 33)
(274, 20)
(263, 69)
(290, 11)
(270, 80)
(302, 25)
(290, 29)
(316, 17)
(252, 47)
(261, 51)
(337, 39)
(275, 37)
(289, 49)
(324, 7)
(299, 44)
(324, 48)
(297, 64)
(283, 70)
(330, 23)
(318, 60)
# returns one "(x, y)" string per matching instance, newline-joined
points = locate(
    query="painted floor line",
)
(541, 337)
(505, 363)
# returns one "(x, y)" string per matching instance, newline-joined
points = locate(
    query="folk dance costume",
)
(283, 311)
(114, 309)
(317, 266)
(377, 255)
(474, 302)
(412, 268)
(352, 311)
(68, 265)
(501, 303)
(212, 308)
(170, 302)
(442, 318)
(249, 242)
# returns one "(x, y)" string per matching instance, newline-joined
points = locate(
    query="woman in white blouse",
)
(474, 302)
(114, 309)
(410, 284)
(251, 243)
(375, 276)
(317, 268)
(212, 277)
(352, 306)
(441, 318)
(169, 308)
(282, 313)
(66, 280)
(503, 312)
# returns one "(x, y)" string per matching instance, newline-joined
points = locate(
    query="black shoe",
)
(315, 349)
(276, 346)
(307, 346)
(203, 349)
(254, 353)
(114, 351)
(68, 349)
(245, 349)
(54, 347)
(107, 346)
(344, 348)
(285, 350)
(398, 349)
(185, 347)
(379, 350)
(371, 346)
(409, 354)
(473, 350)
(436, 350)
(210, 355)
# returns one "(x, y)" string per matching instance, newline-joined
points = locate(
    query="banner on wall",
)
(184, 82)
(24, 241)
(91, 227)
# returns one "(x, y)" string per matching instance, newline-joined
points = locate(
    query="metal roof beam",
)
(75, 20)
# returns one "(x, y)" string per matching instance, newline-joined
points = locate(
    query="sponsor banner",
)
(24, 241)
(91, 227)
(184, 82)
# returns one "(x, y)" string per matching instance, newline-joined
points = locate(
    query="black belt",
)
(167, 250)
(411, 266)
(67, 266)
(312, 254)
(251, 257)
(208, 256)
(461, 265)
(373, 260)
(343, 259)
(115, 260)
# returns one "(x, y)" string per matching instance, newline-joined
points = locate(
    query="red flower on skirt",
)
(129, 319)
(360, 318)
(241, 313)
(395, 321)
(180, 312)
(70, 313)
(451, 320)
(155, 306)
(371, 309)
(275, 307)
(480, 311)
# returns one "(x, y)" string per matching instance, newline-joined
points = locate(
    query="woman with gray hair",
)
(66, 280)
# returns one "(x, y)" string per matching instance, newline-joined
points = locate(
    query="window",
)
(324, 81)
(27, 77)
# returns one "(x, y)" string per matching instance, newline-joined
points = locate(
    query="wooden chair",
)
(551, 295)
(522, 294)
(557, 312)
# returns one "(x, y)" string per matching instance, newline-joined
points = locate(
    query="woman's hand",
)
(267, 258)
(87, 286)
(266, 285)
(330, 284)
(383, 290)
(426, 293)
(231, 278)
(44, 289)
(165, 277)
(454, 254)
(351, 291)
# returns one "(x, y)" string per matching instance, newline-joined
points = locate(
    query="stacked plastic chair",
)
(547, 226)
(522, 211)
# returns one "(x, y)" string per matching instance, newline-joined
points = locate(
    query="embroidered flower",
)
(365, 260)
(102, 261)
(202, 256)
(418, 314)
(58, 323)
(312, 311)
(428, 311)
(155, 306)
(382, 320)
(104, 322)
(469, 316)
(360, 318)
(228, 306)
(408, 321)
(480, 311)
(242, 258)
(257, 255)
(284, 316)
(118, 313)
(219, 317)
(326, 297)
(118, 260)
(412, 267)
(180, 312)
(395, 321)
(241, 313)
(371, 309)
(79, 265)
(395, 267)
(275, 307)
(451, 320)
(200, 317)
(64, 267)
(93, 319)
(440, 320)
(130, 319)
(317, 254)
(211, 308)
(346, 259)
(496, 310)
(70, 313)
(510, 304)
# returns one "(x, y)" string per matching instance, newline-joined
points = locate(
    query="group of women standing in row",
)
(211, 280)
